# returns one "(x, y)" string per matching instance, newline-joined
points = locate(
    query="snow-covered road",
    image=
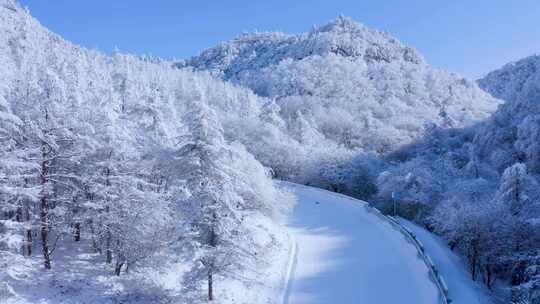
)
(346, 254)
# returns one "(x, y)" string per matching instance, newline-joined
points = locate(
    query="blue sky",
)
(468, 37)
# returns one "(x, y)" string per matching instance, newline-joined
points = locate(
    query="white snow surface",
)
(347, 254)
(461, 287)
(81, 277)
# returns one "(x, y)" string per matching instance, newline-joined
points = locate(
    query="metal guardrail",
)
(433, 271)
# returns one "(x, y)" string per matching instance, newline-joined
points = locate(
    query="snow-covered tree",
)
(16, 193)
(50, 128)
(212, 208)
(226, 186)
(515, 188)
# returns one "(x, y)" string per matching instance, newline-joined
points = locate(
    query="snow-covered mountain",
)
(343, 37)
(347, 85)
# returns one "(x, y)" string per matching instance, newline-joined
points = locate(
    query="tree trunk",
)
(474, 259)
(19, 218)
(213, 243)
(489, 276)
(28, 230)
(44, 208)
(19, 215)
(29, 242)
(44, 215)
(77, 232)
(108, 250)
(210, 286)
(518, 273)
(95, 245)
(118, 268)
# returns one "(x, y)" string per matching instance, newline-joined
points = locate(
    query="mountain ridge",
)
(358, 42)
(346, 87)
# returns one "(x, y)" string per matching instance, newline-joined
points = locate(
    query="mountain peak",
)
(342, 37)
(340, 25)
(349, 38)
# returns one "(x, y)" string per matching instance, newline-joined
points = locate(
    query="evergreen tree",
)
(211, 208)
(514, 188)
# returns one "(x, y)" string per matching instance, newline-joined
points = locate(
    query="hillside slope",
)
(514, 129)
(347, 86)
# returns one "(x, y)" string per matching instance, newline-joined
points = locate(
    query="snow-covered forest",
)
(478, 186)
(157, 175)
(125, 158)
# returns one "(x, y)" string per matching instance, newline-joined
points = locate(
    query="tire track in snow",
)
(293, 260)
